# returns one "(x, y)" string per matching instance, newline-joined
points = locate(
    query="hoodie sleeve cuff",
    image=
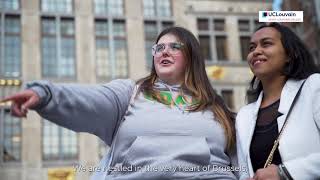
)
(43, 93)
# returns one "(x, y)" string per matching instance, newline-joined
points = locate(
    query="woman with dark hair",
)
(278, 134)
(169, 125)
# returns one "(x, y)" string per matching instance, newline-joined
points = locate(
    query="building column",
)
(85, 46)
(183, 17)
(233, 40)
(85, 62)
(31, 70)
(135, 39)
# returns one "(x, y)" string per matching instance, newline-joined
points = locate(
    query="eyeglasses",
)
(173, 49)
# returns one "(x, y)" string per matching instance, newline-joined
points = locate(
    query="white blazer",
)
(299, 144)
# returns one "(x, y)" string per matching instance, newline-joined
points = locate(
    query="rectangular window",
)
(109, 7)
(120, 49)
(57, 6)
(58, 47)
(102, 49)
(111, 63)
(11, 136)
(244, 25)
(166, 25)
(101, 7)
(213, 30)
(160, 13)
(154, 8)
(10, 61)
(151, 32)
(164, 8)
(203, 24)
(221, 45)
(58, 143)
(227, 96)
(244, 41)
(9, 4)
(149, 8)
(205, 46)
(66, 66)
(219, 25)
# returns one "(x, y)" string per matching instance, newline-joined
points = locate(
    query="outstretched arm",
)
(94, 109)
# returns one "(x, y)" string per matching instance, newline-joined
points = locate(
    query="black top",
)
(265, 133)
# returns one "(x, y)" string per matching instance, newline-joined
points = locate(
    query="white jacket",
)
(299, 144)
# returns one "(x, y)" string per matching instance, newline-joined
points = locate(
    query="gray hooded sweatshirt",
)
(148, 139)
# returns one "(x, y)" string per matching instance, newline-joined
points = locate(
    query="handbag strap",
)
(276, 142)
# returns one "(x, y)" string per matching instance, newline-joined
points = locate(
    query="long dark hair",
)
(196, 81)
(300, 66)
